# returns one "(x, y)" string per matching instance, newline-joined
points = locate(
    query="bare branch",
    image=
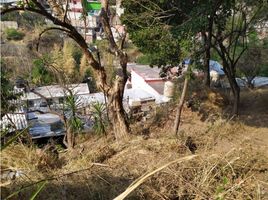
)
(66, 10)
(49, 29)
(123, 39)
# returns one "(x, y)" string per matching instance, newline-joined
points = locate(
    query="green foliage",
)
(40, 73)
(39, 189)
(100, 120)
(159, 46)
(264, 53)
(264, 70)
(71, 49)
(144, 60)
(153, 28)
(13, 34)
(254, 61)
(12, 139)
(250, 64)
(7, 94)
(25, 20)
(77, 55)
(90, 80)
(221, 189)
(71, 104)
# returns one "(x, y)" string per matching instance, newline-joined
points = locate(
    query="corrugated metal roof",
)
(18, 118)
(53, 91)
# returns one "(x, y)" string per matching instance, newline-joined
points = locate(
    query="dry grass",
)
(232, 164)
(20, 157)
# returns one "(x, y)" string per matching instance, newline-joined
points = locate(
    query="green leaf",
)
(225, 180)
(12, 139)
(41, 186)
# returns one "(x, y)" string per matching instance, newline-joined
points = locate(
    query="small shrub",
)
(99, 118)
(144, 60)
(13, 34)
(264, 70)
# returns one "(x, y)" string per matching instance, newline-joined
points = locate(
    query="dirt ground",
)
(231, 162)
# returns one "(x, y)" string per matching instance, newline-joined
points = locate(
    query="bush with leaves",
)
(40, 74)
(99, 118)
(7, 94)
(13, 34)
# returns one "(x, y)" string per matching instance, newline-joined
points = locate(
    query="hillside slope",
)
(232, 160)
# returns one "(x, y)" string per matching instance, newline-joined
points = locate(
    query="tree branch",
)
(49, 29)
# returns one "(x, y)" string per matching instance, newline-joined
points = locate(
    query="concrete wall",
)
(138, 82)
(9, 24)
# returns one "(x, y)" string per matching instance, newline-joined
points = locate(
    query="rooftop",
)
(137, 94)
(145, 71)
(18, 119)
(158, 86)
(53, 91)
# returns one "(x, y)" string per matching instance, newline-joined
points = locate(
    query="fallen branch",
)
(143, 178)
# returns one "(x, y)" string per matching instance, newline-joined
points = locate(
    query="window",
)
(61, 100)
(56, 126)
(43, 104)
(30, 103)
(49, 101)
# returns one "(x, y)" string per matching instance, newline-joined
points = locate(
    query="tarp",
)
(257, 81)
(215, 66)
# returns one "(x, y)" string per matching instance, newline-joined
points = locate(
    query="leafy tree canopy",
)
(40, 74)
(157, 27)
(153, 27)
(7, 93)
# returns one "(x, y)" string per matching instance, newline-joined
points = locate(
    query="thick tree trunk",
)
(116, 111)
(180, 106)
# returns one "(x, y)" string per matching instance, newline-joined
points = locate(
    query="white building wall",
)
(76, 20)
(74, 15)
(138, 82)
(77, 5)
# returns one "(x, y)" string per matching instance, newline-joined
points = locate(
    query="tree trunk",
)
(207, 41)
(230, 73)
(236, 93)
(116, 111)
(207, 59)
(180, 106)
(68, 139)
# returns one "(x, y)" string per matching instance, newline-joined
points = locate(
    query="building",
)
(146, 78)
(14, 121)
(88, 25)
(54, 95)
(44, 125)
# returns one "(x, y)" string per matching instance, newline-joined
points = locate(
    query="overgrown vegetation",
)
(100, 121)
(7, 94)
(25, 20)
(212, 155)
(13, 34)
